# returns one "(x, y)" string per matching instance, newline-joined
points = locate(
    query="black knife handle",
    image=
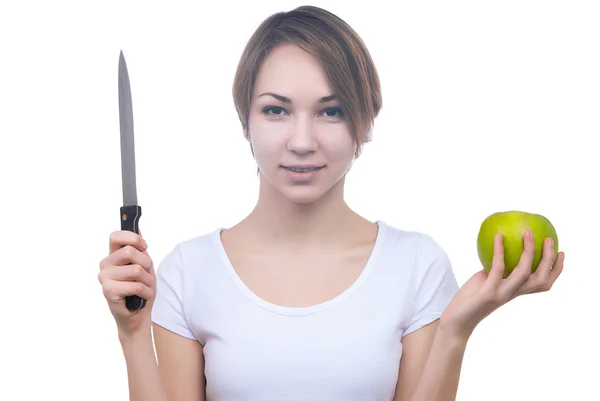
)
(130, 218)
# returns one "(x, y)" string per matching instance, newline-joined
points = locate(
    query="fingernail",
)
(551, 242)
(144, 244)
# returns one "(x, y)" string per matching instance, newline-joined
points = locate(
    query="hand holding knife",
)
(130, 211)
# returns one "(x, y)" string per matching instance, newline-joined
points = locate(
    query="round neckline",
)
(300, 310)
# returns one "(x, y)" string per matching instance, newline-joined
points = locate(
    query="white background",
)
(488, 106)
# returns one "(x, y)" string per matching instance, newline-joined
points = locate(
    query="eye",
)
(333, 112)
(273, 110)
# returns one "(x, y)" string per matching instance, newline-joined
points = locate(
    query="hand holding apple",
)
(512, 225)
(492, 287)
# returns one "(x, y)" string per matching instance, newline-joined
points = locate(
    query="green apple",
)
(512, 225)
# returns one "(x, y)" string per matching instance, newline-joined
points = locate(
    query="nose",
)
(302, 140)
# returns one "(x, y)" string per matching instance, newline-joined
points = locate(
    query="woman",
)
(304, 299)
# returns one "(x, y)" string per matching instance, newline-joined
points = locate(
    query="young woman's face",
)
(299, 135)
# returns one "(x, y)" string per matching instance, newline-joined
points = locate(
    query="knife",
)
(130, 211)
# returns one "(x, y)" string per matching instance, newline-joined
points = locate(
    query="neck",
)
(277, 219)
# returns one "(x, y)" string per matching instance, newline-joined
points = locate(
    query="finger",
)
(497, 270)
(523, 270)
(537, 286)
(116, 291)
(542, 272)
(128, 255)
(119, 239)
(542, 280)
(127, 273)
(557, 268)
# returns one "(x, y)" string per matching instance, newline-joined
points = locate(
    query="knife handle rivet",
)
(124, 217)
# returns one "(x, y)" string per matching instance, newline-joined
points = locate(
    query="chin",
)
(302, 196)
(309, 193)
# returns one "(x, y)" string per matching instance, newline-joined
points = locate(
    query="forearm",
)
(142, 368)
(439, 381)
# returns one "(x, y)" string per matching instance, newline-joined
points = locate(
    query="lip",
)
(302, 165)
(302, 177)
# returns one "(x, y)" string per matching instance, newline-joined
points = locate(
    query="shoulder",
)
(417, 244)
(189, 253)
(431, 284)
(197, 245)
(176, 281)
(418, 255)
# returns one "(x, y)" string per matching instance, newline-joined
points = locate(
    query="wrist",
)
(452, 336)
(130, 337)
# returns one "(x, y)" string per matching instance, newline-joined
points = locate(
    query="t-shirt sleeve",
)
(168, 308)
(434, 284)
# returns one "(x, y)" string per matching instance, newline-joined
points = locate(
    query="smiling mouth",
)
(302, 169)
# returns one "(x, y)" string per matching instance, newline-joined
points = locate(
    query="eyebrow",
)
(287, 100)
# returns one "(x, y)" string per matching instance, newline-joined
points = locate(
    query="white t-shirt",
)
(345, 349)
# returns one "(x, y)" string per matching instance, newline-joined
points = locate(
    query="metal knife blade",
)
(127, 137)
(130, 211)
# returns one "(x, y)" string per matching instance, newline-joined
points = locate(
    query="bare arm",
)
(180, 375)
(181, 362)
(431, 365)
(142, 370)
(436, 353)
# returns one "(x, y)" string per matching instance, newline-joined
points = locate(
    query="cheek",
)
(339, 146)
(266, 142)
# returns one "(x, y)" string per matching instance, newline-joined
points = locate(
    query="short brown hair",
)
(344, 57)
